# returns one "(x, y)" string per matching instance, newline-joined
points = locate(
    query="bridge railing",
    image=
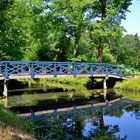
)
(33, 68)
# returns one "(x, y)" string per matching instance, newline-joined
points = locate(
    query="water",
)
(82, 115)
(117, 120)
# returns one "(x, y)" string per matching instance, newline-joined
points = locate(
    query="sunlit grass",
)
(131, 84)
(72, 80)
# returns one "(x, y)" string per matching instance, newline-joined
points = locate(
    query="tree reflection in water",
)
(134, 102)
(81, 124)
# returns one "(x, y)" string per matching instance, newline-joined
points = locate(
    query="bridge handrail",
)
(59, 68)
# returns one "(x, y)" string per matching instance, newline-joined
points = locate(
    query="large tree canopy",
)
(107, 16)
(67, 30)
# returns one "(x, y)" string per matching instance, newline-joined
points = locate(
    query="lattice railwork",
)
(54, 69)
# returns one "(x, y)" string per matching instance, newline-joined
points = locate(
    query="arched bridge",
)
(44, 69)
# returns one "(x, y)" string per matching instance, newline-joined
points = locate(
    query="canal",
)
(78, 115)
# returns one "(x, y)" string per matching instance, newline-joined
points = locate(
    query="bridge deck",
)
(26, 76)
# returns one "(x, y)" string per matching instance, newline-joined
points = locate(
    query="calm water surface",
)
(88, 115)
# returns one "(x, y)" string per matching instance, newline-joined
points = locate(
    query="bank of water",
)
(132, 84)
(77, 114)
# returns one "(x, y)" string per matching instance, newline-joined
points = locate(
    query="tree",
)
(60, 30)
(4, 7)
(126, 45)
(73, 16)
(107, 15)
(14, 29)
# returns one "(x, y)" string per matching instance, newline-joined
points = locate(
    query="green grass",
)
(8, 118)
(67, 84)
(137, 73)
(12, 127)
(130, 88)
(131, 84)
(72, 80)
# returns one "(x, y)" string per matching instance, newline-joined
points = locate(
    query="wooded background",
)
(67, 30)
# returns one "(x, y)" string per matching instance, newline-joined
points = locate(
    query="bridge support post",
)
(29, 84)
(5, 89)
(104, 83)
(105, 93)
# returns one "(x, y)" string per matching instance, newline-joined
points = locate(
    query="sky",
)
(132, 22)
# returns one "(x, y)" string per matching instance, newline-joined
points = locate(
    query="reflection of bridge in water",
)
(44, 69)
(78, 117)
(91, 105)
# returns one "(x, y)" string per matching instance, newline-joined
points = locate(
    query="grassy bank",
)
(67, 84)
(131, 84)
(14, 128)
(72, 80)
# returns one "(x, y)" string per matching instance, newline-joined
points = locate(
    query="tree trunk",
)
(100, 51)
(101, 43)
(75, 51)
(101, 123)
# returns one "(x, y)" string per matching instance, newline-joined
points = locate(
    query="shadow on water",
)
(44, 97)
(37, 102)
(17, 87)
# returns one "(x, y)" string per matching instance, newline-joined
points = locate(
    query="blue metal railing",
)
(61, 68)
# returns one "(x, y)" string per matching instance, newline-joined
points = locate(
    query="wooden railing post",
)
(6, 71)
(106, 70)
(74, 69)
(91, 70)
(54, 71)
(133, 74)
(121, 74)
(32, 70)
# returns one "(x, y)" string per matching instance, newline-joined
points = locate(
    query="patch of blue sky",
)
(132, 21)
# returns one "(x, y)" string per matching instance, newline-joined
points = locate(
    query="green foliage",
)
(14, 128)
(106, 24)
(61, 30)
(29, 81)
(128, 44)
(15, 30)
(67, 84)
(73, 80)
(131, 84)
(9, 119)
(108, 57)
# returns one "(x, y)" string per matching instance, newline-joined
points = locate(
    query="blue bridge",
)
(45, 69)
